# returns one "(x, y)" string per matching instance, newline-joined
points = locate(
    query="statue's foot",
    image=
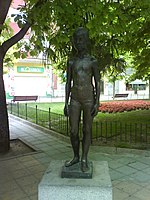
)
(84, 166)
(72, 162)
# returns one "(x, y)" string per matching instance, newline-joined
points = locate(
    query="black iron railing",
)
(102, 132)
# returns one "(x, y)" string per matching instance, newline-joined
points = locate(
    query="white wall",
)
(30, 86)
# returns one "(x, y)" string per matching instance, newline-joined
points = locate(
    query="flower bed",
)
(121, 106)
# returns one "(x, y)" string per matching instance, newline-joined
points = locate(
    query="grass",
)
(55, 107)
(137, 116)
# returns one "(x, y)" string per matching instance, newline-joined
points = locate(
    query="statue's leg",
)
(87, 132)
(75, 113)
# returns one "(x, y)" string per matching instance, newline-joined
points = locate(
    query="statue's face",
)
(80, 41)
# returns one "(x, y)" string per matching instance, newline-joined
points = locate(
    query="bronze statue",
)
(82, 72)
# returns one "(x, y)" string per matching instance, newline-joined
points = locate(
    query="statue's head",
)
(81, 39)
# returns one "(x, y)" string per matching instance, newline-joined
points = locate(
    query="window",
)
(135, 87)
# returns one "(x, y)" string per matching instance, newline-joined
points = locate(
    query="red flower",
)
(121, 106)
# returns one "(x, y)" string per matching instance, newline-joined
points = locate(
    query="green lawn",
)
(55, 107)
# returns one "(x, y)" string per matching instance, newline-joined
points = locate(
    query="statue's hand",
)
(94, 110)
(66, 110)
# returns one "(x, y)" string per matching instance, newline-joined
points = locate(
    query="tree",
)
(138, 32)
(115, 27)
(24, 21)
(33, 13)
(138, 38)
(4, 47)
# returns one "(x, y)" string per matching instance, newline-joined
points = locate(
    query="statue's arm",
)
(97, 81)
(96, 74)
(68, 88)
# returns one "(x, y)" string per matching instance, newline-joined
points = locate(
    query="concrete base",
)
(53, 187)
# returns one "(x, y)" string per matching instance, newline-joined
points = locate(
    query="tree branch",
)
(13, 40)
(17, 37)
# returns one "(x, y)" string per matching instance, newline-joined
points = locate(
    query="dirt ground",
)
(17, 148)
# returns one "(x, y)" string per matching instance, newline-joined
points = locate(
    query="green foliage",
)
(7, 31)
(116, 71)
(115, 28)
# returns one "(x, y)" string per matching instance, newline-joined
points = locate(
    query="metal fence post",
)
(67, 125)
(96, 129)
(135, 136)
(49, 118)
(26, 111)
(36, 111)
(101, 130)
(106, 126)
(141, 138)
(18, 108)
(121, 130)
(11, 107)
(146, 133)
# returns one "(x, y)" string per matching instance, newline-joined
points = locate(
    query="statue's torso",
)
(82, 73)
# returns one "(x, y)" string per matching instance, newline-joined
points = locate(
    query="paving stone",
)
(36, 169)
(125, 160)
(138, 165)
(147, 170)
(143, 194)
(119, 194)
(128, 187)
(132, 198)
(8, 186)
(20, 173)
(115, 175)
(33, 197)
(114, 164)
(26, 180)
(115, 182)
(5, 175)
(141, 177)
(16, 194)
(30, 189)
(126, 170)
(145, 160)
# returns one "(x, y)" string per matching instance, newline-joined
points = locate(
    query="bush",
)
(121, 106)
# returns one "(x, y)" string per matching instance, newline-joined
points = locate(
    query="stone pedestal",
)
(53, 187)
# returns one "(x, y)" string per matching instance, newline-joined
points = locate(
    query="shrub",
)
(121, 106)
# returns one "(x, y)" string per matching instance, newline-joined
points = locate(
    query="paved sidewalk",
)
(20, 176)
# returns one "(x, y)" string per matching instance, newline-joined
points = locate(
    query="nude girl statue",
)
(82, 93)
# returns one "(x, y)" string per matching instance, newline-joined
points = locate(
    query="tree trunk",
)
(4, 125)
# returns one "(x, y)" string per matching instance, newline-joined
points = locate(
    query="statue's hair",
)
(83, 30)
